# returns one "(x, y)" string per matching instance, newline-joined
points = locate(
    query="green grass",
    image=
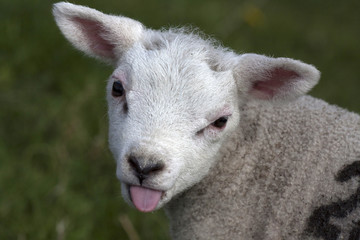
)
(57, 177)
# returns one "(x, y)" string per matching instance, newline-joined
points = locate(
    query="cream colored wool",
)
(276, 169)
(227, 143)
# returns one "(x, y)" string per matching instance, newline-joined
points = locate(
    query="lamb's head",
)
(173, 98)
(168, 115)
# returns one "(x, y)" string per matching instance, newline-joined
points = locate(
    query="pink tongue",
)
(144, 199)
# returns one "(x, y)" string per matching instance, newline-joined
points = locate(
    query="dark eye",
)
(117, 89)
(220, 123)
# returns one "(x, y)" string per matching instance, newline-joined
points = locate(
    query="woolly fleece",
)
(273, 172)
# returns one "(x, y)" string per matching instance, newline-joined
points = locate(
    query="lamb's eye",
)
(117, 89)
(220, 123)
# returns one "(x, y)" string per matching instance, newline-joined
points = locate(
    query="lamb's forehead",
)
(165, 68)
(178, 68)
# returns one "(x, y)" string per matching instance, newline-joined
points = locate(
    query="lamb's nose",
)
(143, 171)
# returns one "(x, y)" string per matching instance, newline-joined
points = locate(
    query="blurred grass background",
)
(57, 177)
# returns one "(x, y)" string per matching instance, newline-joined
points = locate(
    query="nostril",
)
(147, 169)
(153, 168)
(134, 163)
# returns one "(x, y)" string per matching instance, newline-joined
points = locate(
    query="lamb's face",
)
(169, 114)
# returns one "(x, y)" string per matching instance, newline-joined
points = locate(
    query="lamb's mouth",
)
(145, 199)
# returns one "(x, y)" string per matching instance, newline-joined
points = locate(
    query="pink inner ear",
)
(272, 83)
(95, 34)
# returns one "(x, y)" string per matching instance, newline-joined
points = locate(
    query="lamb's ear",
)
(99, 35)
(275, 79)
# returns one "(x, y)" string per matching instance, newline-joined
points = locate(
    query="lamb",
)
(228, 144)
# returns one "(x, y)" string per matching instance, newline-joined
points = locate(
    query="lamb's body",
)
(225, 141)
(273, 173)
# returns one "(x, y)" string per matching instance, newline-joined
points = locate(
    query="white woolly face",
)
(174, 110)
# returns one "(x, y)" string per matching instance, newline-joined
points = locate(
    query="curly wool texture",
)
(273, 173)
